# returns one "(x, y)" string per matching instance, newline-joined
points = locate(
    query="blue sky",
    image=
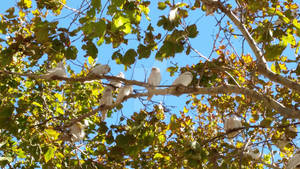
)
(203, 43)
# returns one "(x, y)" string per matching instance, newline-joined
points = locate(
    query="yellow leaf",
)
(252, 120)
(59, 97)
(37, 104)
(27, 3)
(158, 155)
(52, 133)
(90, 60)
(239, 145)
(185, 110)
(274, 69)
(247, 59)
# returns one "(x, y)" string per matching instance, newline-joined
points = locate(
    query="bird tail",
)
(150, 90)
(103, 115)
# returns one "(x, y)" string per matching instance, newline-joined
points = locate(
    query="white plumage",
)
(173, 14)
(107, 99)
(77, 132)
(59, 71)
(153, 80)
(124, 91)
(294, 162)
(183, 79)
(253, 153)
(232, 123)
(99, 70)
(118, 84)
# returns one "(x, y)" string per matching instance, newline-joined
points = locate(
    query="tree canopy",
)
(249, 80)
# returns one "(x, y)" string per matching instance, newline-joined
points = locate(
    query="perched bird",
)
(59, 71)
(153, 80)
(173, 14)
(117, 84)
(183, 79)
(294, 162)
(231, 124)
(253, 153)
(124, 91)
(77, 132)
(107, 100)
(99, 69)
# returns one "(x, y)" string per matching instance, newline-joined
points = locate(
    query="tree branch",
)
(226, 89)
(261, 64)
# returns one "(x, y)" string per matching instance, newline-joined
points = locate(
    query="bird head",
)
(155, 69)
(121, 75)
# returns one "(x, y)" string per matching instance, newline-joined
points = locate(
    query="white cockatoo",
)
(183, 79)
(294, 162)
(153, 80)
(232, 123)
(173, 14)
(117, 84)
(59, 71)
(99, 69)
(107, 100)
(124, 91)
(77, 132)
(253, 153)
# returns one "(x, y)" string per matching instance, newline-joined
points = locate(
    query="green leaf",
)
(122, 23)
(42, 32)
(71, 53)
(192, 31)
(52, 133)
(5, 115)
(6, 57)
(161, 5)
(143, 51)
(273, 52)
(91, 49)
(96, 4)
(49, 154)
(297, 71)
(118, 2)
(129, 57)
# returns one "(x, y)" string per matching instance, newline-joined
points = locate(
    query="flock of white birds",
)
(231, 125)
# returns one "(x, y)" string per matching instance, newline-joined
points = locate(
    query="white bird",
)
(59, 71)
(77, 132)
(253, 153)
(183, 79)
(124, 91)
(294, 162)
(153, 80)
(99, 70)
(107, 100)
(232, 123)
(117, 84)
(173, 14)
